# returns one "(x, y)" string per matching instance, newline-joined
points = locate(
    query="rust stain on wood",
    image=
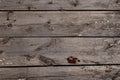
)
(72, 60)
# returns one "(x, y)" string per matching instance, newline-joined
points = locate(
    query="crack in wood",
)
(50, 2)
(29, 7)
(5, 41)
(74, 3)
(110, 74)
(89, 61)
(46, 45)
(29, 29)
(28, 57)
(109, 45)
(1, 51)
(117, 2)
(9, 20)
(46, 60)
(9, 25)
(8, 15)
(117, 74)
(48, 24)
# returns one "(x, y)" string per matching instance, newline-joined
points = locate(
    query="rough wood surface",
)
(59, 24)
(63, 73)
(23, 49)
(12, 73)
(59, 51)
(59, 4)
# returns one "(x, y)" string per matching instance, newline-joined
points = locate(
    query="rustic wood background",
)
(59, 39)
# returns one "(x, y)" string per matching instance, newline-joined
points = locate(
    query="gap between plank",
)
(66, 10)
(59, 36)
(30, 66)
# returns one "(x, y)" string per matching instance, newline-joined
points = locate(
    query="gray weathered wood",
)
(59, 4)
(12, 73)
(60, 24)
(63, 73)
(75, 73)
(53, 51)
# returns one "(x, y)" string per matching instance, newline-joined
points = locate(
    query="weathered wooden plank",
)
(59, 4)
(13, 50)
(75, 73)
(14, 73)
(59, 51)
(60, 24)
(64, 73)
(23, 45)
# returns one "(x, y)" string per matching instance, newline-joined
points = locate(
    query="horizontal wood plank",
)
(37, 24)
(59, 4)
(76, 73)
(63, 73)
(12, 73)
(59, 51)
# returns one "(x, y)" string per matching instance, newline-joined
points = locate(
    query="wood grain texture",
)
(12, 73)
(26, 24)
(59, 51)
(64, 73)
(59, 4)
